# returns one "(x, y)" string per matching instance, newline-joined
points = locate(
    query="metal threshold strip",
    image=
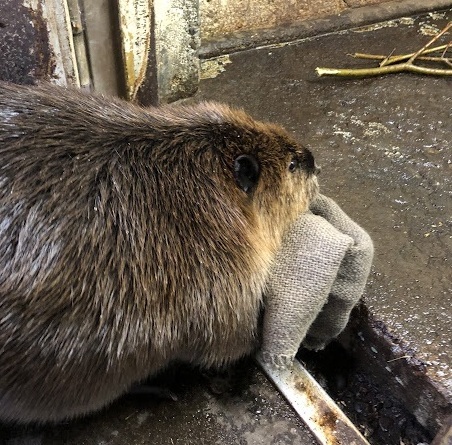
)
(315, 407)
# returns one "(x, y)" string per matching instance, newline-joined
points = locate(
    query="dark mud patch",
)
(377, 413)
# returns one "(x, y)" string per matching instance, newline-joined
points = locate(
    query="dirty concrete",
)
(384, 146)
(237, 408)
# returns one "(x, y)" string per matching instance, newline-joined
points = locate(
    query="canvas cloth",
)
(318, 276)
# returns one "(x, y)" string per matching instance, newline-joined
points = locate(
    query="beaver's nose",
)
(317, 170)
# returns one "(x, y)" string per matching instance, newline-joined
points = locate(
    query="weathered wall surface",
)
(176, 42)
(220, 17)
(143, 50)
(36, 42)
(149, 50)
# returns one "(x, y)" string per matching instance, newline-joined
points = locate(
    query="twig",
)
(445, 59)
(398, 358)
(394, 59)
(385, 61)
(390, 64)
(363, 72)
(400, 58)
(315, 407)
(433, 40)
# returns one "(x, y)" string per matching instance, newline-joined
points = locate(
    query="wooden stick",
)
(390, 66)
(394, 59)
(398, 68)
(433, 40)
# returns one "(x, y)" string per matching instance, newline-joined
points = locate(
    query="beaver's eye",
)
(293, 165)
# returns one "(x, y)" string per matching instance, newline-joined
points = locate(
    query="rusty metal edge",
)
(316, 409)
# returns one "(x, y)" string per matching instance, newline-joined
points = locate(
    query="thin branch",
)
(449, 45)
(385, 61)
(427, 45)
(445, 59)
(441, 59)
(398, 68)
(398, 358)
(406, 56)
(400, 58)
(390, 63)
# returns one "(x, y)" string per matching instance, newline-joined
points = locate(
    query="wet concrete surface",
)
(384, 144)
(239, 407)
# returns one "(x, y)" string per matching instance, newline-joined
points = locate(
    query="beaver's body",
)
(129, 238)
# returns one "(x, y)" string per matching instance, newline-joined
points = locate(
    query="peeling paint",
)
(211, 68)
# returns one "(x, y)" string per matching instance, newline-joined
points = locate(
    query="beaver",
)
(131, 238)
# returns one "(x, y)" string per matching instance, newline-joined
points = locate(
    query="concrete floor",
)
(384, 146)
(241, 408)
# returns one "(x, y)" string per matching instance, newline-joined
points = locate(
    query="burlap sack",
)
(317, 278)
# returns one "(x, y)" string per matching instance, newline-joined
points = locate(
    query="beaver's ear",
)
(246, 172)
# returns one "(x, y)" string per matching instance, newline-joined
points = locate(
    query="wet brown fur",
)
(126, 243)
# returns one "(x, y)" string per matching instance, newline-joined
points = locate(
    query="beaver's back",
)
(125, 242)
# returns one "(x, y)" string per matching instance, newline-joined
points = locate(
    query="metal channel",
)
(315, 407)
